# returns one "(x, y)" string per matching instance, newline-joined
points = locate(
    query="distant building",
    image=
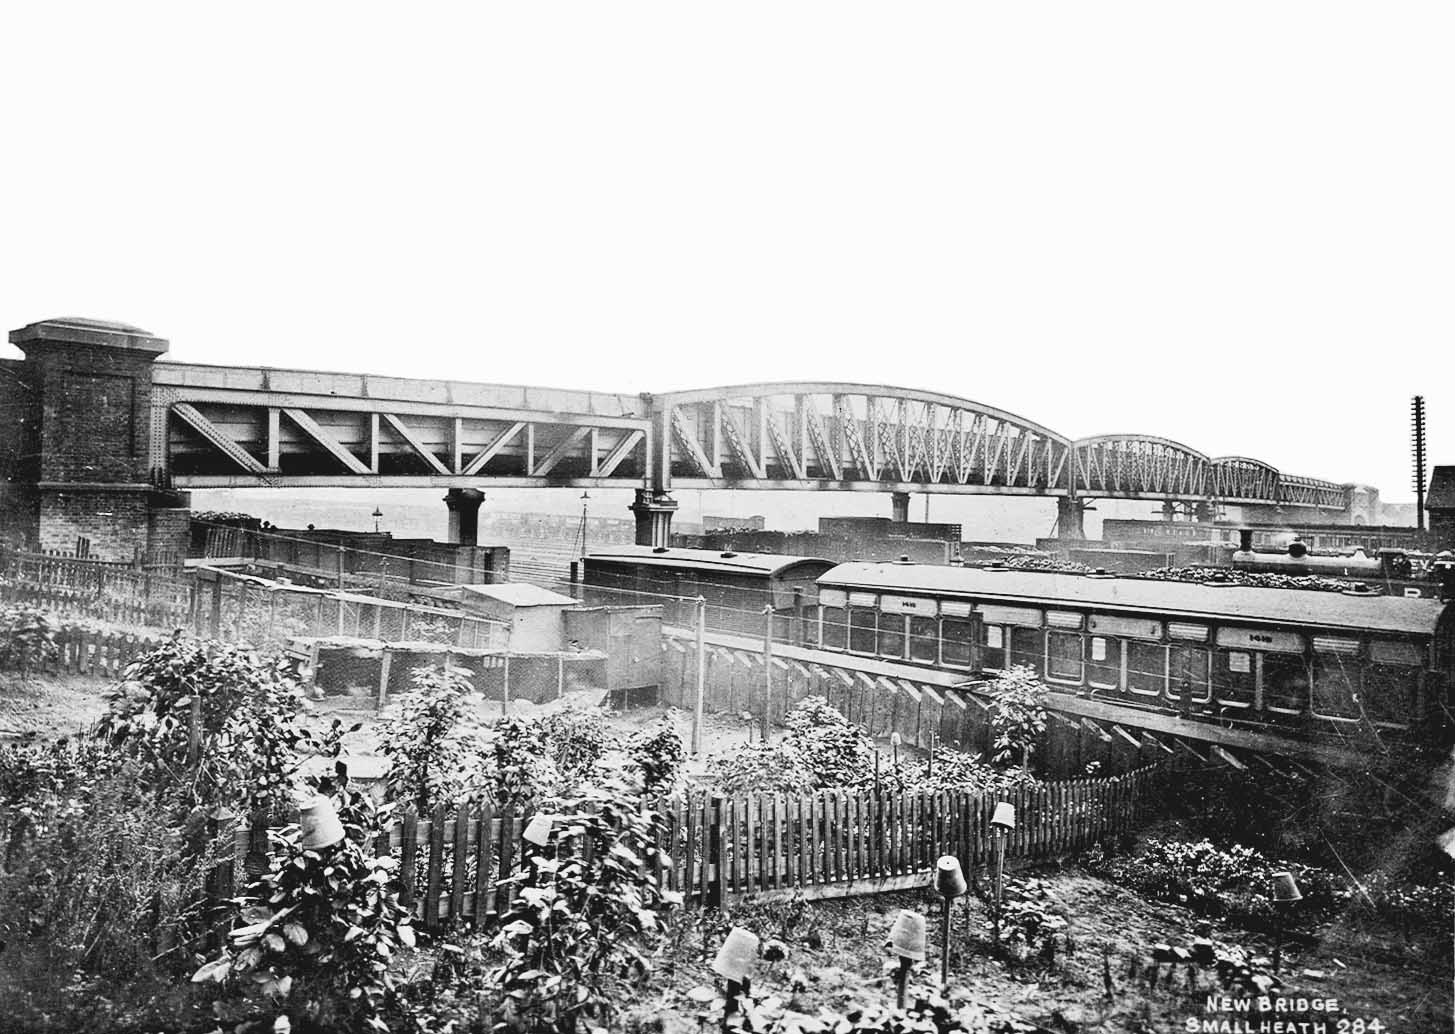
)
(753, 523)
(1440, 507)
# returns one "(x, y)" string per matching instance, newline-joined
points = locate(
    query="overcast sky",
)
(1226, 224)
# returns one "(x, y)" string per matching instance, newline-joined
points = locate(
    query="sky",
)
(1229, 225)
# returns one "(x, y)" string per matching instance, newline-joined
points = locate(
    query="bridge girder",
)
(852, 436)
(215, 426)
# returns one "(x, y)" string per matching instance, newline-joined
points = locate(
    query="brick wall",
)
(115, 520)
(96, 408)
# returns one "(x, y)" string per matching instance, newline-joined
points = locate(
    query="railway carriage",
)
(737, 586)
(1234, 655)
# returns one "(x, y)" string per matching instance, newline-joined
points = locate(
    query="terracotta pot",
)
(907, 939)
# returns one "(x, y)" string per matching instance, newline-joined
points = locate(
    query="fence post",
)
(713, 833)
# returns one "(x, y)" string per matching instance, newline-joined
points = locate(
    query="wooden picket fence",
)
(84, 652)
(80, 588)
(717, 850)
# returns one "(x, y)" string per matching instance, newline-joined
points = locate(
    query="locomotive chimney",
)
(1245, 540)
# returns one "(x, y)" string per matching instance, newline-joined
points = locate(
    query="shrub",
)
(218, 721)
(960, 770)
(576, 738)
(762, 768)
(1017, 714)
(583, 921)
(431, 739)
(1235, 882)
(27, 638)
(657, 753)
(97, 883)
(836, 751)
(522, 772)
(321, 928)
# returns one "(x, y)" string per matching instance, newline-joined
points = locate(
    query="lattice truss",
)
(1121, 464)
(221, 442)
(774, 434)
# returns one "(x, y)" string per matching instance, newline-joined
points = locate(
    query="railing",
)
(78, 588)
(455, 861)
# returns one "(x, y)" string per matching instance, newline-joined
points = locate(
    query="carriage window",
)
(1235, 680)
(993, 646)
(924, 644)
(891, 635)
(1063, 657)
(835, 631)
(1104, 669)
(1285, 683)
(1390, 693)
(1026, 645)
(955, 642)
(1188, 674)
(1146, 668)
(862, 629)
(1336, 685)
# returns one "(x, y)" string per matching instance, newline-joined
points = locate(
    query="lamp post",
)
(1001, 825)
(378, 515)
(950, 883)
(1285, 895)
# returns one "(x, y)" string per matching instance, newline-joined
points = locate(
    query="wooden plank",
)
(458, 869)
(409, 845)
(749, 867)
(777, 845)
(805, 839)
(434, 869)
(507, 860)
(483, 866)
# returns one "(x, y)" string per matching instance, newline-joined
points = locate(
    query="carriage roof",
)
(769, 565)
(1306, 607)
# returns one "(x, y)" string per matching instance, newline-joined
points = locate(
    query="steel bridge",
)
(223, 426)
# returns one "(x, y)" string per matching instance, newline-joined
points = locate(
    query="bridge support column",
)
(464, 507)
(654, 512)
(1070, 518)
(83, 454)
(899, 503)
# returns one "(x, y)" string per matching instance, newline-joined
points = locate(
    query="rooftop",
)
(519, 594)
(705, 559)
(1187, 599)
(1441, 495)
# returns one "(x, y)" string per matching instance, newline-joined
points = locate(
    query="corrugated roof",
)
(1233, 602)
(519, 594)
(1441, 495)
(707, 559)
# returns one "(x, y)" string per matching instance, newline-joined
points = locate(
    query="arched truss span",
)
(795, 435)
(1141, 465)
(1294, 490)
(1239, 478)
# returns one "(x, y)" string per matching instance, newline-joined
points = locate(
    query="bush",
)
(27, 638)
(657, 753)
(761, 768)
(960, 770)
(1235, 882)
(98, 888)
(218, 721)
(1017, 714)
(576, 738)
(321, 928)
(586, 915)
(522, 773)
(431, 739)
(836, 751)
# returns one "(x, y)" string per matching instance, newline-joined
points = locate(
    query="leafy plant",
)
(760, 768)
(835, 750)
(27, 638)
(320, 928)
(431, 739)
(657, 753)
(576, 738)
(1017, 714)
(586, 915)
(522, 772)
(217, 721)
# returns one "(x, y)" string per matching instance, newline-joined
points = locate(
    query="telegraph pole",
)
(1417, 441)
